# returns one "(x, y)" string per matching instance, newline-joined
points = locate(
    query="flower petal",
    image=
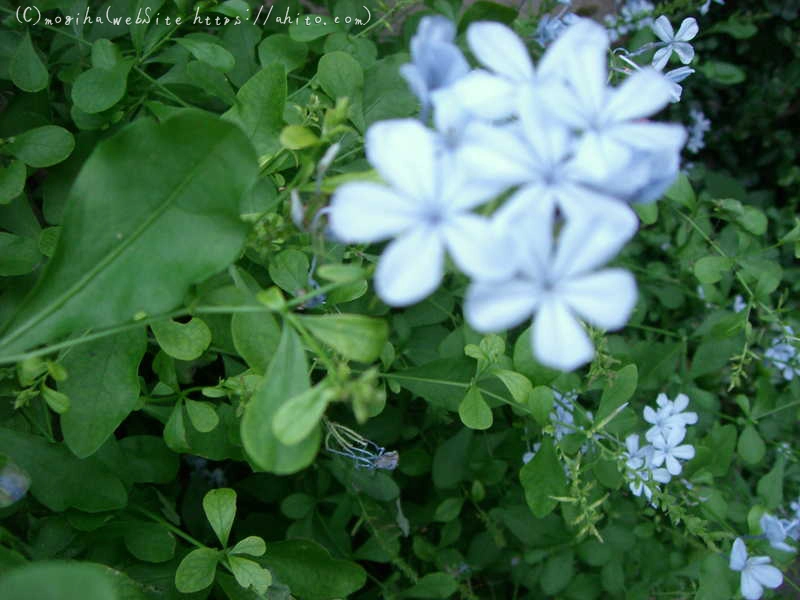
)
(663, 29)
(605, 299)
(644, 93)
(369, 212)
(738, 555)
(751, 588)
(486, 95)
(403, 152)
(684, 452)
(684, 51)
(661, 57)
(498, 48)
(411, 267)
(767, 575)
(497, 306)
(687, 30)
(498, 155)
(559, 340)
(583, 33)
(477, 248)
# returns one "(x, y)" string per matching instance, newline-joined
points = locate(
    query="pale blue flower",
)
(675, 76)
(425, 208)
(783, 356)
(757, 572)
(436, 61)
(668, 450)
(674, 42)
(698, 127)
(776, 531)
(669, 416)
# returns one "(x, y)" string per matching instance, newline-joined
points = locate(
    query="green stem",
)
(176, 530)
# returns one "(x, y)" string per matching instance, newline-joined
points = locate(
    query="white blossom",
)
(667, 451)
(674, 42)
(668, 416)
(756, 571)
(776, 530)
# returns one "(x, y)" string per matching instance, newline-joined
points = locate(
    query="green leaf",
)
(519, 385)
(12, 180)
(541, 403)
(255, 337)
(210, 53)
(681, 192)
(203, 416)
(298, 417)
(100, 88)
(196, 570)
(525, 363)
(487, 11)
(648, 213)
(770, 486)
(252, 545)
(722, 72)
(58, 479)
(103, 386)
(618, 391)
(558, 571)
(710, 269)
(119, 255)
(58, 402)
(184, 341)
(282, 49)
(150, 542)
(340, 75)
(18, 255)
(43, 146)
(287, 376)
(249, 573)
(310, 572)
(258, 109)
(59, 580)
(26, 69)
(448, 509)
(220, 508)
(289, 271)
(356, 337)
(751, 447)
(297, 137)
(474, 411)
(451, 459)
(148, 460)
(542, 478)
(433, 585)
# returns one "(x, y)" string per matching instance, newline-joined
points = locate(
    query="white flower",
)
(643, 477)
(675, 76)
(558, 282)
(738, 303)
(669, 415)
(425, 207)
(674, 42)
(667, 451)
(783, 355)
(697, 130)
(776, 532)
(436, 61)
(756, 571)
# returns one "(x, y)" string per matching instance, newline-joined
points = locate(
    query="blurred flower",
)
(738, 303)
(425, 207)
(698, 127)
(776, 531)
(756, 571)
(707, 5)
(675, 76)
(783, 356)
(674, 42)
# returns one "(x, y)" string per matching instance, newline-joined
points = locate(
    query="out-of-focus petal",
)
(486, 95)
(605, 299)
(767, 575)
(492, 307)
(411, 267)
(559, 340)
(369, 212)
(403, 151)
(478, 249)
(738, 555)
(642, 94)
(751, 588)
(499, 49)
(498, 155)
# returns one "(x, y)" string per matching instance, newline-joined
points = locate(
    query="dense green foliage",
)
(170, 376)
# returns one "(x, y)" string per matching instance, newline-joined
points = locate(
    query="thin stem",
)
(176, 530)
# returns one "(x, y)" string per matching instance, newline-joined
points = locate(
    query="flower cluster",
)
(782, 355)
(698, 127)
(566, 151)
(658, 461)
(633, 15)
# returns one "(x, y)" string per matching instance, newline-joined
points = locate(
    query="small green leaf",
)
(298, 417)
(252, 545)
(210, 53)
(43, 146)
(99, 88)
(340, 75)
(150, 542)
(60, 580)
(542, 478)
(297, 137)
(196, 570)
(184, 341)
(12, 180)
(356, 337)
(203, 416)
(519, 385)
(751, 447)
(681, 192)
(619, 390)
(558, 571)
(57, 401)
(710, 269)
(18, 255)
(282, 49)
(255, 337)
(26, 69)
(474, 411)
(541, 403)
(722, 72)
(448, 509)
(770, 486)
(433, 585)
(220, 508)
(250, 574)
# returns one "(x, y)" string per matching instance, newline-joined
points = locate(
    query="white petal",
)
(498, 48)
(684, 51)
(767, 575)
(605, 299)
(528, 217)
(486, 95)
(559, 340)
(403, 151)
(751, 588)
(369, 212)
(650, 135)
(582, 33)
(493, 307)
(587, 73)
(687, 30)
(600, 155)
(661, 475)
(497, 154)
(738, 555)
(643, 94)
(433, 28)
(681, 402)
(563, 104)
(416, 82)
(663, 29)
(673, 466)
(650, 415)
(661, 57)
(411, 267)
(478, 249)
(548, 140)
